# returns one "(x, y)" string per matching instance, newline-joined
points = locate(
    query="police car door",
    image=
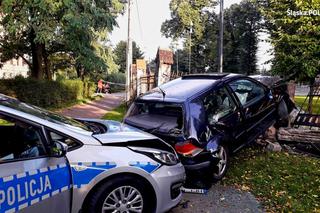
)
(30, 180)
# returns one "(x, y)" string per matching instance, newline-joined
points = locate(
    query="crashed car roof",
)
(183, 88)
(267, 80)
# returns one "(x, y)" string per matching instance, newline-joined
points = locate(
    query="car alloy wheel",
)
(222, 156)
(125, 199)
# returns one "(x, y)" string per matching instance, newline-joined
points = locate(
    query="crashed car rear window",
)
(159, 116)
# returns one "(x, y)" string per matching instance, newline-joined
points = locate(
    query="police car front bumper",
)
(169, 180)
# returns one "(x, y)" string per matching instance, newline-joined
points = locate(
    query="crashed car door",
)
(256, 104)
(224, 114)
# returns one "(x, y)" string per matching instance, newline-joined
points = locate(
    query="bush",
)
(119, 78)
(47, 94)
(89, 88)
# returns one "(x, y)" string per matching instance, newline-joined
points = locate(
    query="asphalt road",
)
(219, 199)
(95, 109)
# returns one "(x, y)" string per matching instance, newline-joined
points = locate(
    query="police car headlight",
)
(160, 156)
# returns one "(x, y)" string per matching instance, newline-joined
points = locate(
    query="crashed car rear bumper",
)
(204, 161)
(197, 166)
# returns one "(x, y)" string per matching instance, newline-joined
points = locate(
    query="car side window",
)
(218, 104)
(19, 140)
(71, 143)
(247, 91)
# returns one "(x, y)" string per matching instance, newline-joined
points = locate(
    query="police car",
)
(50, 163)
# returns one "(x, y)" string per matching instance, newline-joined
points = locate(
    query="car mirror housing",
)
(58, 149)
(270, 95)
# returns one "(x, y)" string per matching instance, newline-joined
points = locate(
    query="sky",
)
(146, 32)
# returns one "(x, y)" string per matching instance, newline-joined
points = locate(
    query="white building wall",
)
(13, 68)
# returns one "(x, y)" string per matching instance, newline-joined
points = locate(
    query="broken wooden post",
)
(299, 135)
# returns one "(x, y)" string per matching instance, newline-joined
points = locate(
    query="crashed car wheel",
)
(222, 155)
(123, 195)
(283, 114)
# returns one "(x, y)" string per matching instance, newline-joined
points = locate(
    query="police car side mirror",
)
(58, 149)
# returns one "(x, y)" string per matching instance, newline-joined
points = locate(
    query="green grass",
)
(299, 100)
(5, 123)
(116, 114)
(282, 182)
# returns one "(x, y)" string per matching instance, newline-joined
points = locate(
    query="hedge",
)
(47, 94)
(119, 79)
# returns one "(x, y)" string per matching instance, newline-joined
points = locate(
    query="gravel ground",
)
(221, 199)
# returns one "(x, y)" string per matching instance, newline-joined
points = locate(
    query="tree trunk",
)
(46, 64)
(37, 57)
(80, 72)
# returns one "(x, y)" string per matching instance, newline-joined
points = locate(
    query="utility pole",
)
(177, 55)
(190, 32)
(129, 54)
(220, 67)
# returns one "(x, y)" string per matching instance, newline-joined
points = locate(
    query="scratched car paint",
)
(50, 163)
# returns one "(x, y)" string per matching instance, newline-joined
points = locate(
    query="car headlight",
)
(160, 156)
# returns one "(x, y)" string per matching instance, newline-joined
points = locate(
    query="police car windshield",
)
(42, 113)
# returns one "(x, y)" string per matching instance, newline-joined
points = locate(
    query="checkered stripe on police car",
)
(84, 172)
(28, 188)
(146, 166)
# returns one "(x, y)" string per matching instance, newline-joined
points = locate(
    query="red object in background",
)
(100, 84)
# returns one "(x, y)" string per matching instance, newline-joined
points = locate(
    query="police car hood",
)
(118, 132)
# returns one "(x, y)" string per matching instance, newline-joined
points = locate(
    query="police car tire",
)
(96, 200)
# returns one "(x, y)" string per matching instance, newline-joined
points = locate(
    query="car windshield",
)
(43, 114)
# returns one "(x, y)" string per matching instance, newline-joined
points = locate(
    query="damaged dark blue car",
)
(208, 117)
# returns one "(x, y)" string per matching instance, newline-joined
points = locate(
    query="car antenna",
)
(163, 93)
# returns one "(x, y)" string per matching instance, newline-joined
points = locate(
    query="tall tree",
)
(32, 22)
(242, 25)
(295, 37)
(120, 54)
(39, 28)
(186, 14)
(189, 22)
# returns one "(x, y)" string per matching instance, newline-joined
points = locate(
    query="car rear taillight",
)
(187, 149)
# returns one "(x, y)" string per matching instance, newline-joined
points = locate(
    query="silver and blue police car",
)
(50, 163)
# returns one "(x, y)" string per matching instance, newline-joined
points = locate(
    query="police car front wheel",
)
(121, 195)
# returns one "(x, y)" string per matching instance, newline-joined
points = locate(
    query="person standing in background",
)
(100, 86)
